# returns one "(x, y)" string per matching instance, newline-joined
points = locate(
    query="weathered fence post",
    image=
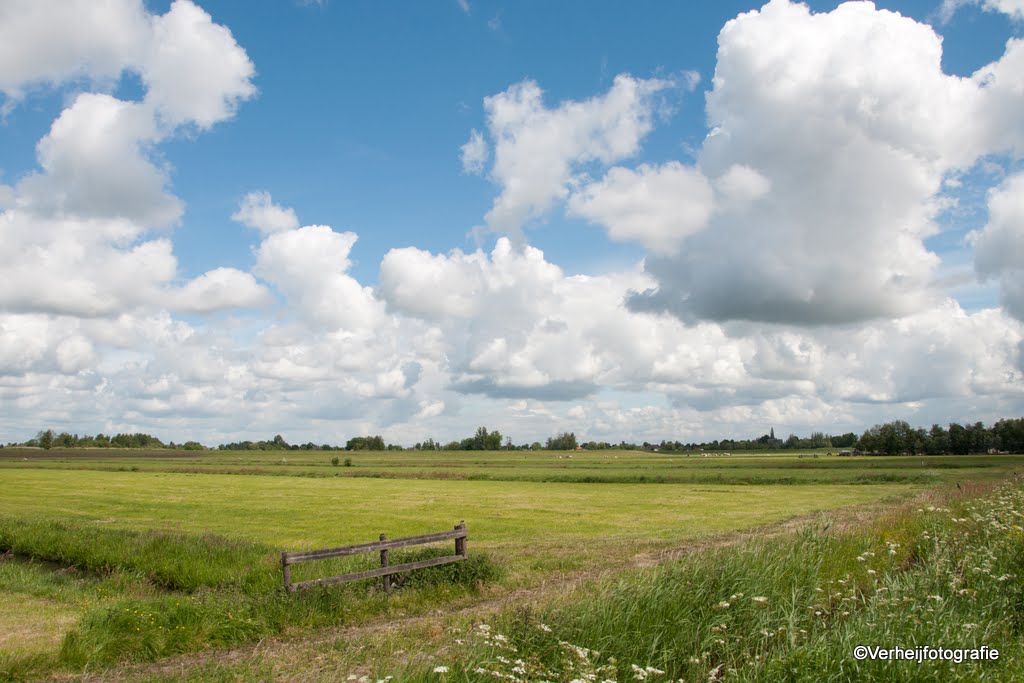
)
(386, 569)
(384, 562)
(460, 543)
(287, 572)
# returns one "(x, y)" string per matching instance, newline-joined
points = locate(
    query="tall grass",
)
(171, 560)
(149, 629)
(205, 591)
(788, 609)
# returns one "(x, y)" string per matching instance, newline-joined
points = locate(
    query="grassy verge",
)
(147, 595)
(171, 560)
(947, 575)
(146, 630)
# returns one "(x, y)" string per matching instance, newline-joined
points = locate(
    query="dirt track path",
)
(314, 657)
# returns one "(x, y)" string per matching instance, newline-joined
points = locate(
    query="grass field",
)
(191, 541)
(813, 467)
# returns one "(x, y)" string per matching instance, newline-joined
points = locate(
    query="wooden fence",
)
(459, 534)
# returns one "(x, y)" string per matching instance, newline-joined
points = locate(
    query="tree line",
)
(891, 438)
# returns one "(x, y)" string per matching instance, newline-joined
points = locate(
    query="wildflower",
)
(440, 669)
(760, 599)
(545, 628)
(872, 572)
(723, 605)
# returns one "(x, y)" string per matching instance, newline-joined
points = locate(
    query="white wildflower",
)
(440, 669)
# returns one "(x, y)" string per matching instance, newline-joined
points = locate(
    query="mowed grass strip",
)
(547, 466)
(523, 522)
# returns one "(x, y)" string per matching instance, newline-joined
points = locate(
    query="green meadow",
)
(114, 559)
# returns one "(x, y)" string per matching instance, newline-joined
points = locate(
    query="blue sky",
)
(612, 265)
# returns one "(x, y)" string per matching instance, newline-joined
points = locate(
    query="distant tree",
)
(365, 443)
(979, 438)
(45, 439)
(1008, 435)
(65, 440)
(820, 440)
(936, 441)
(566, 441)
(959, 439)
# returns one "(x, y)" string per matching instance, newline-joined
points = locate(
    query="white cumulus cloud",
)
(538, 149)
(258, 211)
(656, 206)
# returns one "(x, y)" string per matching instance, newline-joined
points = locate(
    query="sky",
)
(682, 221)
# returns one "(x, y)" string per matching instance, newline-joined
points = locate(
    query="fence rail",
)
(459, 534)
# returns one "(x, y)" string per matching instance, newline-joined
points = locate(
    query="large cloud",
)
(94, 165)
(537, 149)
(78, 231)
(308, 265)
(195, 72)
(656, 206)
(999, 249)
(851, 123)
(51, 41)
